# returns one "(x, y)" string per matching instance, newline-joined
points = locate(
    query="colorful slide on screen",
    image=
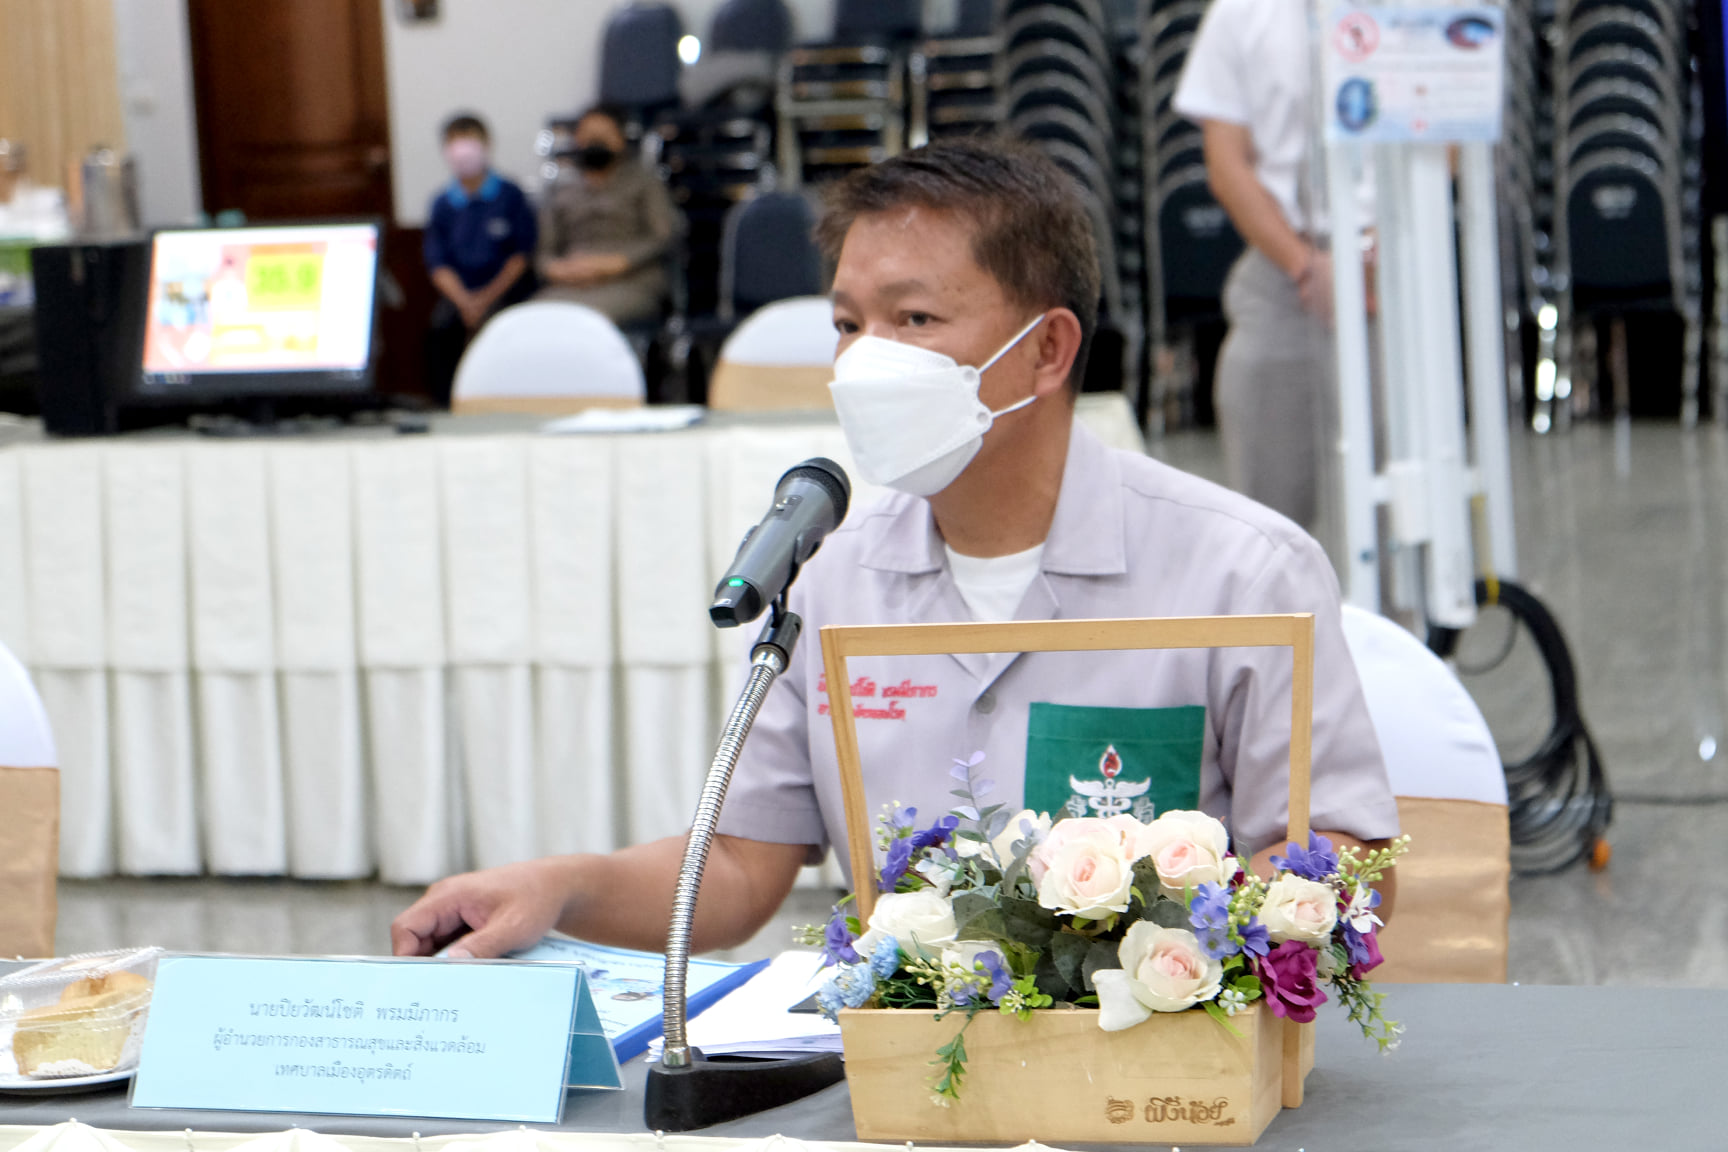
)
(291, 299)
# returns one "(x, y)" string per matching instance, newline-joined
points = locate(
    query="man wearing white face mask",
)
(965, 296)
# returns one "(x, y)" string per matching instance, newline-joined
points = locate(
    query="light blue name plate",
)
(459, 1040)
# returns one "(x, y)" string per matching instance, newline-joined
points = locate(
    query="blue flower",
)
(837, 940)
(1209, 914)
(829, 1001)
(1316, 862)
(1256, 941)
(903, 818)
(1000, 982)
(856, 983)
(1355, 946)
(885, 961)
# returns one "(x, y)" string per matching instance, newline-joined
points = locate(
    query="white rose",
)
(1163, 970)
(1086, 871)
(921, 921)
(1298, 909)
(1188, 849)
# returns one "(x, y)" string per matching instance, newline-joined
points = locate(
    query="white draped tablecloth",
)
(346, 656)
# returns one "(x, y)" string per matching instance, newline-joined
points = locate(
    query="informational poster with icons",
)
(1400, 75)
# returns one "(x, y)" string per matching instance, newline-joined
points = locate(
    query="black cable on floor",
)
(1558, 796)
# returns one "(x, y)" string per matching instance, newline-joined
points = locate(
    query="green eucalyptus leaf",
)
(1167, 913)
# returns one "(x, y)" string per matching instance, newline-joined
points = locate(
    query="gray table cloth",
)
(1480, 1068)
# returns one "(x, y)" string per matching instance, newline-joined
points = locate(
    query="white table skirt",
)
(402, 657)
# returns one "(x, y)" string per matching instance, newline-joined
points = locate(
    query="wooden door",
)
(294, 123)
(293, 114)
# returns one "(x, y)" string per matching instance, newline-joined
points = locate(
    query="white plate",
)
(60, 1085)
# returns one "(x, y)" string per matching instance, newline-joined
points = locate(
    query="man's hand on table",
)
(483, 915)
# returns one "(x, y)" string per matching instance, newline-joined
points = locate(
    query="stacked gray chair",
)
(956, 83)
(842, 105)
(1190, 243)
(1524, 164)
(1060, 93)
(1627, 168)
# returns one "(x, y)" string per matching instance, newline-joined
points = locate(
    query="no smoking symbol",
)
(1356, 37)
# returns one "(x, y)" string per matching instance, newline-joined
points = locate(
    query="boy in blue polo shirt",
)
(480, 237)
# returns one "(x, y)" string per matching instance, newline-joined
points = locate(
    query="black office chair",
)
(769, 254)
(890, 20)
(751, 26)
(639, 65)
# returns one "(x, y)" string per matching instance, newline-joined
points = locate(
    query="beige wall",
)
(58, 86)
(515, 61)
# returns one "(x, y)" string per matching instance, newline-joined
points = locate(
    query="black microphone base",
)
(712, 1091)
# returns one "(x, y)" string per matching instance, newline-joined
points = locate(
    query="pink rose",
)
(1163, 970)
(1298, 909)
(1084, 871)
(1188, 849)
(1287, 977)
(1065, 832)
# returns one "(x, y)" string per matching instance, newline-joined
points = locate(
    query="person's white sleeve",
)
(772, 796)
(1211, 87)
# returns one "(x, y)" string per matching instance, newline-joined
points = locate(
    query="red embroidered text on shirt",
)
(892, 712)
(906, 688)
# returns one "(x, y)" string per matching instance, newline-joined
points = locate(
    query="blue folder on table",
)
(629, 987)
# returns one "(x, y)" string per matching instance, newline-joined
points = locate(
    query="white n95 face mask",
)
(912, 416)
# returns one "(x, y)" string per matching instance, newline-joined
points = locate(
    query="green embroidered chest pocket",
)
(1113, 761)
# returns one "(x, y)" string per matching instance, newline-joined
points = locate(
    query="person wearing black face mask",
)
(605, 228)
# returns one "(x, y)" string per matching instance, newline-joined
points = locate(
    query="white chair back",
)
(551, 358)
(780, 358)
(1449, 924)
(25, 738)
(1433, 736)
(30, 827)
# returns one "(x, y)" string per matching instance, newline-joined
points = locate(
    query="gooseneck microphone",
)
(809, 502)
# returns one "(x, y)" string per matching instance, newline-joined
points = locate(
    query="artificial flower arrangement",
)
(989, 910)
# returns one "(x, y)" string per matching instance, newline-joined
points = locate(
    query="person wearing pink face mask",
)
(480, 235)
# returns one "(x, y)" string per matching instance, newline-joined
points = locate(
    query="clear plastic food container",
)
(79, 1016)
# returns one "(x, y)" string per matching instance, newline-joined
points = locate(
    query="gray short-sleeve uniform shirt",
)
(1131, 537)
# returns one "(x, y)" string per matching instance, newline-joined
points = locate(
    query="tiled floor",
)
(1624, 534)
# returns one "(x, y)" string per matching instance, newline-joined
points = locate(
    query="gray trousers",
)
(1276, 396)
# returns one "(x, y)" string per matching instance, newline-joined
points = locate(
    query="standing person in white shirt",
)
(1247, 81)
(965, 295)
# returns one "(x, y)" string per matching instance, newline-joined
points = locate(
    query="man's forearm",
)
(625, 899)
(449, 285)
(1252, 209)
(506, 278)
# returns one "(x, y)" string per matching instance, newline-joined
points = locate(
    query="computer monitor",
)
(277, 311)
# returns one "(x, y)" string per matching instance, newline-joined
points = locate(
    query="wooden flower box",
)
(1177, 1078)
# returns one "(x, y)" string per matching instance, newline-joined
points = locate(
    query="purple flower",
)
(1362, 949)
(935, 835)
(1209, 915)
(899, 860)
(837, 940)
(1256, 941)
(1000, 982)
(902, 818)
(1287, 977)
(1316, 862)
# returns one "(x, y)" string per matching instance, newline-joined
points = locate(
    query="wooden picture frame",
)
(1294, 631)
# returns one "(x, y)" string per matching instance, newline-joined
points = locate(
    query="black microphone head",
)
(830, 477)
